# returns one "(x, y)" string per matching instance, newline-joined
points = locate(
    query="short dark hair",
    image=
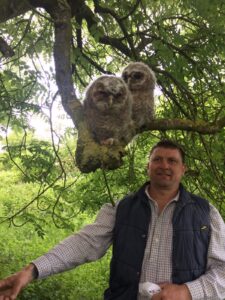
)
(170, 145)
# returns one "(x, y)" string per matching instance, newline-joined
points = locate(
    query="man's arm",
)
(211, 285)
(89, 244)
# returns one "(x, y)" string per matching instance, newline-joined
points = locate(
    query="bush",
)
(21, 245)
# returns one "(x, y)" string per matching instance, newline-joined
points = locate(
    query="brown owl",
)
(108, 109)
(141, 83)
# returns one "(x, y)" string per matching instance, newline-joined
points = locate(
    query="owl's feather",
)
(108, 109)
(141, 82)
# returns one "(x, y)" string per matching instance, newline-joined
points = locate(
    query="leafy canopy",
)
(54, 49)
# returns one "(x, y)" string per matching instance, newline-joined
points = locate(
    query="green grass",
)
(21, 245)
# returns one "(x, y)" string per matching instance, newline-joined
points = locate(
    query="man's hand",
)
(11, 286)
(172, 292)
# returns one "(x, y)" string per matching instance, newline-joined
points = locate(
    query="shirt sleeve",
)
(211, 285)
(89, 244)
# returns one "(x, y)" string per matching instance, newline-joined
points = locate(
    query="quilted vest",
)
(191, 234)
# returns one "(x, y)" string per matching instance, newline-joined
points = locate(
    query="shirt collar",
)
(176, 198)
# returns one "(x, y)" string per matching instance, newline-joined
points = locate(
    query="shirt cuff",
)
(195, 289)
(43, 266)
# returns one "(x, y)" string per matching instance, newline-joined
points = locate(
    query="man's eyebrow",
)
(156, 156)
(166, 157)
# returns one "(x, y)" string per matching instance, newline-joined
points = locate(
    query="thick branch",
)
(62, 48)
(13, 8)
(199, 126)
(91, 156)
(117, 44)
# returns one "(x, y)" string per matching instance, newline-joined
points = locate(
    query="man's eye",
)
(156, 159)
(173, 161)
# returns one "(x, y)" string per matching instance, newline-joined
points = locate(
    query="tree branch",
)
(5, 49)
(62, 47)
(199, 126)
(13, 8)
(89, 154)
(132, 10)
(105, 10)
(95, 64)
(84, 12)
(116, 43)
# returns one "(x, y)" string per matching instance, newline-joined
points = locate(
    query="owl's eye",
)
(119, 94)
(137, 75)
(101, 94)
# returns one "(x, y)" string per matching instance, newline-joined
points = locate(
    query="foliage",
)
(21, 245)
(181, 41)
(55, 49)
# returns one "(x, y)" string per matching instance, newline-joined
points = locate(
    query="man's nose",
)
(164, 164)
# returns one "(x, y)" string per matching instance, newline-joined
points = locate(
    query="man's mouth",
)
(163, 174)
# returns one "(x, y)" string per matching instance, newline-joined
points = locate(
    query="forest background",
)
(49, 52)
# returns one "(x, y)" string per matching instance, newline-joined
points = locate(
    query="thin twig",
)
(107, 187)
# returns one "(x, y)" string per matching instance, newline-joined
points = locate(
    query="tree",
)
(181, 41)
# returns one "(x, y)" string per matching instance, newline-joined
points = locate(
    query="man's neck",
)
(163, 195)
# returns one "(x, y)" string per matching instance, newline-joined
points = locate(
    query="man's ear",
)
(148, 168)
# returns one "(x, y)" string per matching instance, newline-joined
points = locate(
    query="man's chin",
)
(164, 184)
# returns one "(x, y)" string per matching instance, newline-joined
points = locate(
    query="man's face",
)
(165, 167)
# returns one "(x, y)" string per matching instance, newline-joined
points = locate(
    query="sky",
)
(60, 121)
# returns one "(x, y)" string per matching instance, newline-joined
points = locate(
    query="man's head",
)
(166, 165)
(168, 144)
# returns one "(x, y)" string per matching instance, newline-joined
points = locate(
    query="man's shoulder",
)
(196, 199)
(132, 196)
(127, 198)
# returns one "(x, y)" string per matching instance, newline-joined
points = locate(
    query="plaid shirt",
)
(91, 243)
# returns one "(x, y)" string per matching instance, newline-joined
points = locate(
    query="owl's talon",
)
(108, 142)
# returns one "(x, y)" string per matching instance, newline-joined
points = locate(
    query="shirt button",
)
(143, 236)
(156, 240)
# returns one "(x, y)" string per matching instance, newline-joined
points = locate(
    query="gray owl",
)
(141, 83)
(108, 109)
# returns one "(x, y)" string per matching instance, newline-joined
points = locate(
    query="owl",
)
(141, 82)
(108, 110)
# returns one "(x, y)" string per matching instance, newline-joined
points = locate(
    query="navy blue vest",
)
(191, 234)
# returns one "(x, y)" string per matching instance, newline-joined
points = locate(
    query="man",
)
(161, 234)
